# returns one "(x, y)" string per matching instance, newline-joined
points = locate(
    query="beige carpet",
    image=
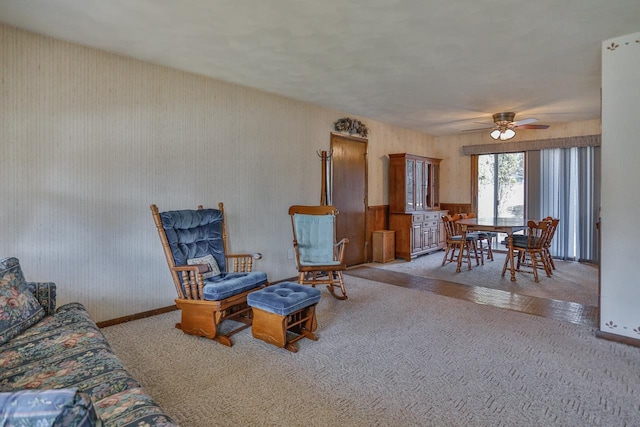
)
(571, 281)
(391, 356)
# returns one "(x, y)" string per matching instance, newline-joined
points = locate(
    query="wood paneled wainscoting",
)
(377, 219)
(456, 208)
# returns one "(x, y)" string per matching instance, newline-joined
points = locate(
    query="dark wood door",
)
(349, 194)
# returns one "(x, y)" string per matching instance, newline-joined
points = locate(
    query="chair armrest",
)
(192, 282)
(242, 262)
(45, 293)
(338, 249)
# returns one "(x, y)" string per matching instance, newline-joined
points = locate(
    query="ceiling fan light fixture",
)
(502, 133)
(507, 134)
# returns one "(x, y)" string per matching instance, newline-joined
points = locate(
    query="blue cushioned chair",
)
(318, 256)
(212, 285)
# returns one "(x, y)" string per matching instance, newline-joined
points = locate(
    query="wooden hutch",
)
(414, 205)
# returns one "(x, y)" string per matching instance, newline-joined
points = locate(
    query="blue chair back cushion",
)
(19, 308)
(314, 234)
(198, 233)
(194, 234)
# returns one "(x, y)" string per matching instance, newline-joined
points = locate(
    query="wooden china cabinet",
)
(414, 205)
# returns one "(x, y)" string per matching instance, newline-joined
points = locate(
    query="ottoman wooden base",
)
(272, 328)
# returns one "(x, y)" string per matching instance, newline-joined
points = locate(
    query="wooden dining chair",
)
(454, 241)
(528, 250)
(524, 260)
(484, 237)
(552, 231)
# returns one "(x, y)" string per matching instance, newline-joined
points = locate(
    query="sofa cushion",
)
(11, 265)
(45, 293)
(68, 350)
(60, 407)
(19, 309)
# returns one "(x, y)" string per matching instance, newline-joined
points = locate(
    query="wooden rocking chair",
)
(212, 285)
(319, 258)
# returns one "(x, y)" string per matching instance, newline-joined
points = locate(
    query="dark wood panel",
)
(350, 194)
(618, 338)
(377, 219)
(456, 208)
(136, 316)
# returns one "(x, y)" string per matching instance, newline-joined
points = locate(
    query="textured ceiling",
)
(436, 66)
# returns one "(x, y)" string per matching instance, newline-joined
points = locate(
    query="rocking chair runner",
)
(194, 243)
(318, 256)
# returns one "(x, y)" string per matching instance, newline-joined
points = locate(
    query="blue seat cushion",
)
(524, 242)
(226, 285)
(469, 237)
(284, 298)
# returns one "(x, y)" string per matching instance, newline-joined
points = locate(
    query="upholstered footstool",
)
(283, 307)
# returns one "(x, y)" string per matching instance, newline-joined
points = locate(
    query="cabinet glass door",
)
(436, 185)
(410, 203)
(419, 186)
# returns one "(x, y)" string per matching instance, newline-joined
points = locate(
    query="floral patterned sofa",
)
(61, 351)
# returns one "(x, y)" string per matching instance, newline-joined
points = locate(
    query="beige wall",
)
(456, 169)
(90, 140)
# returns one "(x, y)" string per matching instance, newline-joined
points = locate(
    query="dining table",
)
(497, 225)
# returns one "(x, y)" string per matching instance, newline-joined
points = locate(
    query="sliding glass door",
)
(501, 185)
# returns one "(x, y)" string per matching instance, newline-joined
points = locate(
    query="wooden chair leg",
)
(545, 264)
(490, 250)
(475, 251)
(446, 253)
(506, 264)
(534, 265)
(468, 250)
(333, 275)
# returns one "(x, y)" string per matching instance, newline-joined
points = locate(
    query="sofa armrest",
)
(45, 293)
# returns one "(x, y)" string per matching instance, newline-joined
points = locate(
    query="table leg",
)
(461, 250)
(510, 254)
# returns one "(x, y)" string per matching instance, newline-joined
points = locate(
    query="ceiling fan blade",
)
(532, 126)
(524, 121)
(477, 129)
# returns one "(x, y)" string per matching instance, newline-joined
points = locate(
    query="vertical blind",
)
(565, 184)
(562, 181)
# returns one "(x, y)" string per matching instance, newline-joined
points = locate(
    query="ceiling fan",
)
(504, 126)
